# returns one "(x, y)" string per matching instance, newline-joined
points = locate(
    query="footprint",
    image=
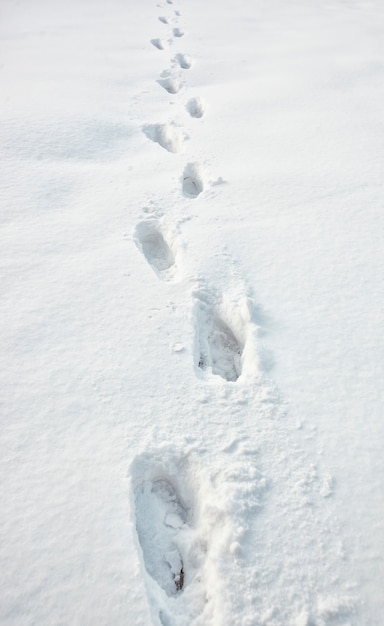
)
(161, 521)
(177, 32)
(217, 348)
(192, 180)
(163, 19)
(171, 532)
(184, 60)
(150, 240)
(195, 107)
(170, 84)
(166, 135)
(190, 521)
(160, 44)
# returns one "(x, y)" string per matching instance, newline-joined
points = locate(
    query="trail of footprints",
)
(172, 83)
(164, 520)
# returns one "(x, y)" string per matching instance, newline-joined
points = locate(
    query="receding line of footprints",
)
(164, 522)
(167, 135)
(217, 347)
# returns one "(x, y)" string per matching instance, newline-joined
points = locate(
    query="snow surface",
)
(192, 307)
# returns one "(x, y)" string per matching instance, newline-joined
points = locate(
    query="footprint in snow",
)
(189, 519)
(150, 238)
(193, 184)
(195, 107)
(174, 550)
(170, 84)
(161, 520)
(160, 44)
(163, 19)
(177, 32)
(168, 136)
(216, 347)
(184, 61)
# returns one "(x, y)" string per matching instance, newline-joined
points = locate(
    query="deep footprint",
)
(175, 534)
(161, 519)
(151, 242)
(216, 348)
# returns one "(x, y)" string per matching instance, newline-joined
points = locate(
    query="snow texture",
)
(192, 313)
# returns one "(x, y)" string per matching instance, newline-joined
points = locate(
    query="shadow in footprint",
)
(151, 242)
(217, 348)
(158, 43)
(177, 32)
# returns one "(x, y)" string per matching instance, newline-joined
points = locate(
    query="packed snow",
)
(192, 307)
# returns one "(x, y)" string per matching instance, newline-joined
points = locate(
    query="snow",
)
(192, 307)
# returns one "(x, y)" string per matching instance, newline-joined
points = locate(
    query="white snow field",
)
(192, 312)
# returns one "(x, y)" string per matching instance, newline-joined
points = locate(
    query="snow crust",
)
(192, 307)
